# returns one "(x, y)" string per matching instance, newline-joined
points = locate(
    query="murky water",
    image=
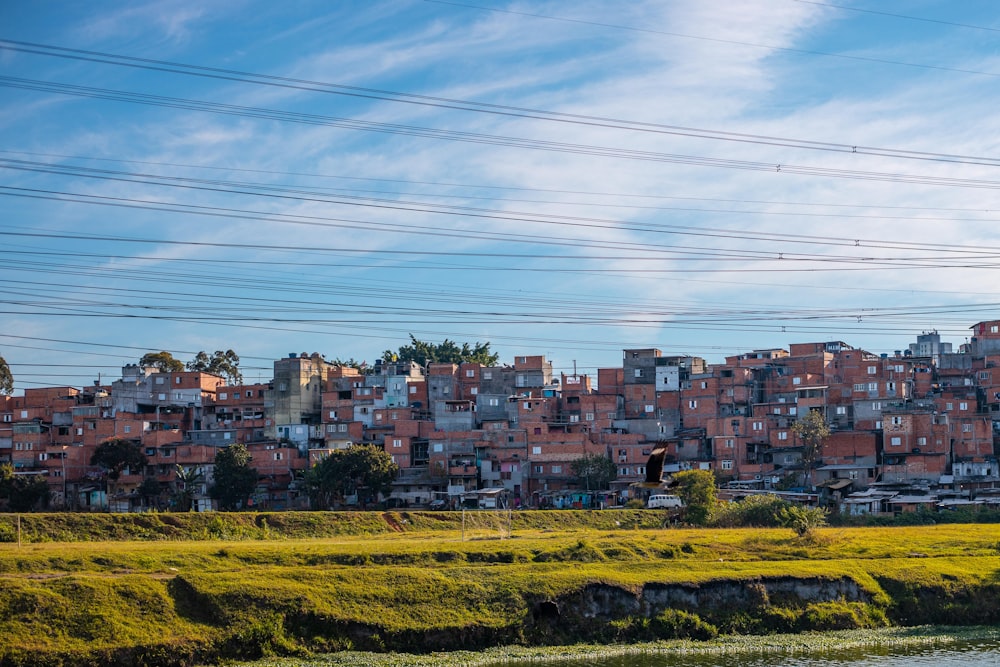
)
(964, 654)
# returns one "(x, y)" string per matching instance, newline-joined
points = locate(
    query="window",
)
(758, 426)
(793, 410)
(872, 370)
(727, 464)
(921, 441)
(876, 405)
(949, 406)
(128, 428)
(279, 456)
(890, 386)
(623, 471)
(693, 404)
(984, 375)
(796, 380)
(536, 450)
(638, 372)
(539, 469)
(730, 392)
(729, 443)
(574, 418)
(438, 447)
(852, 474)
(704, 385)
(396, 442)
(159, 380)
(474, 391)
(966, 428)
(878, 424)
(589, 416)
(776, 411)
(897, 420)
(8, 418)
(860, 387)
(24, 414)
(487, 375)
(782, 435)
(470, 373)
(177, 380)
(896, 441)
(342, 428)
(494, 402)
(161, 397)
(333, 414)
(413, 388)
(873, 386)
(79, 431)
(963, 406)
(650, 408)
(223, 396)
(556, 469)
(994, 328)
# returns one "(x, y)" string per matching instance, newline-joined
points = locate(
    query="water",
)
(964, 654)
(925, 651)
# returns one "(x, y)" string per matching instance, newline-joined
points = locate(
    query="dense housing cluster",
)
(911, 429)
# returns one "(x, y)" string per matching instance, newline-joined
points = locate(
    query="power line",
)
(440, 102)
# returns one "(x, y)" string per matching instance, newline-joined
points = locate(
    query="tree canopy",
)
(23, 493)
(594, 471)
(162, 361)
(116, 455)
(224, 364)
(6, 379)
(812, 431)
(448, 352)
(364, 470)
(697, 489)
(235, 480)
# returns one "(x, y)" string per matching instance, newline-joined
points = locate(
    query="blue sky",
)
(566, 179)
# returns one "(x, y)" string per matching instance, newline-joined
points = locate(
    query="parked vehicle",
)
(661, 501)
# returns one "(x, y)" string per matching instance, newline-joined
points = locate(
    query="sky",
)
(705, 177)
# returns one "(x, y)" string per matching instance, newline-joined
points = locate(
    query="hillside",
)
(204, 590)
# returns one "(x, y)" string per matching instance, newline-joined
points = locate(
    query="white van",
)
(664, 502)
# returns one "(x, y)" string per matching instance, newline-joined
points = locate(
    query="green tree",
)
(224, 364)
(163, 361)
(234, 479)
(354, 363)
(186, 481)
(6, 379)
(117, 455)
(594, 471)
(812, 431)
(447, 352)
(23, 493)
(364, 470)
(697, 489)
(803, 520)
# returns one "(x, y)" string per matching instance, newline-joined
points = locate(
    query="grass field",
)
(381, 582)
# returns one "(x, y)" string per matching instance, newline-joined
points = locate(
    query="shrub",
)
(677, 624)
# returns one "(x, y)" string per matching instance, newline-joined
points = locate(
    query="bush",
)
(759, 511)
(677, 624)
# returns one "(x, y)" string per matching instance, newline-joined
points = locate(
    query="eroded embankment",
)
(80, 622)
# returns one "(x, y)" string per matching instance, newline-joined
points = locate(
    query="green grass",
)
(410, 581)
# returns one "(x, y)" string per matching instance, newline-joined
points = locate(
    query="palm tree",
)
(187, 481)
